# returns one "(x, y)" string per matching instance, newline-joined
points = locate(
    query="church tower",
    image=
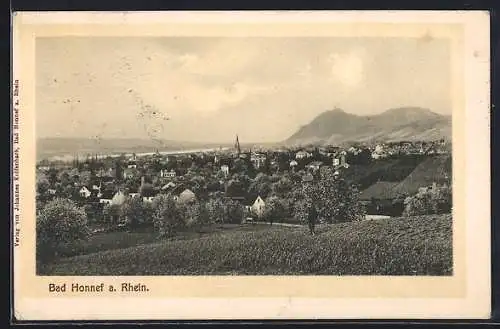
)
(237, 145)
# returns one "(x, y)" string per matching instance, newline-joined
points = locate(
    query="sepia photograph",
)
(203, 155)
(232, 157)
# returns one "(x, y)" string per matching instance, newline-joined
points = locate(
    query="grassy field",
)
(120, 240)
(396, 246)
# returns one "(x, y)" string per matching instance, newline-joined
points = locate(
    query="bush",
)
(60, 222)
(434, 200)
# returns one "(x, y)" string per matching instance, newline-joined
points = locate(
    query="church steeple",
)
(237, 145)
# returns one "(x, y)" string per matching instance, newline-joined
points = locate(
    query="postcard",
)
(251, 165)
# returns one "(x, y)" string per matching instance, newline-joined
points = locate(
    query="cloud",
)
(347, 69)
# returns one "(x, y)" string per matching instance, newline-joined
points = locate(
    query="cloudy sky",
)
(209, 89)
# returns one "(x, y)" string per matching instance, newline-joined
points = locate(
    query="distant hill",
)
(406, 123)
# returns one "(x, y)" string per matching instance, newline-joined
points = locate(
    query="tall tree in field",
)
(215, 209)
(60, 222)
(274, 209)
(336, 201)
(136, 212)
(233, 212)
(305, 205)
(166, 216)
(112, 213)
(197, 216)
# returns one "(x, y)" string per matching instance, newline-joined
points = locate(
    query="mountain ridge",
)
(402, 123)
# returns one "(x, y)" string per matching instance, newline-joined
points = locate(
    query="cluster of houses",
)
(384, 150)
(112, 181)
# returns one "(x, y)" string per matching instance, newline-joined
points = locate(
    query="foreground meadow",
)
(419, 245)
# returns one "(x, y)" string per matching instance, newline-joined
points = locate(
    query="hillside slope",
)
(435, 169)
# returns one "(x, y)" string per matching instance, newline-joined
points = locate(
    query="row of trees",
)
(328, 200)
(61, 221)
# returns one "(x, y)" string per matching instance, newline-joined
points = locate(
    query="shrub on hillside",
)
(434, 200)
(60, 222)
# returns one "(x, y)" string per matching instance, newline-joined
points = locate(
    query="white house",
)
(293, 163)
(339, 161)
(225, 170)
(258, 207)
(148, 199)
(105, 201)
(302, 155)
(258, 159)
(379, 152)
(134, 194)
(84, 192)
(167, 174)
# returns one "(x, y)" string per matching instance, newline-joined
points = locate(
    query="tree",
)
(215, 208)
(241, 166)
(136, 212)
(197, 216)
(335, 200)
(60, 222)
(166, 215)
(283, 186)
(274, 209)
(260, 188)
(42, 189)
(112, 213)
(233, 212)
(305, 207)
